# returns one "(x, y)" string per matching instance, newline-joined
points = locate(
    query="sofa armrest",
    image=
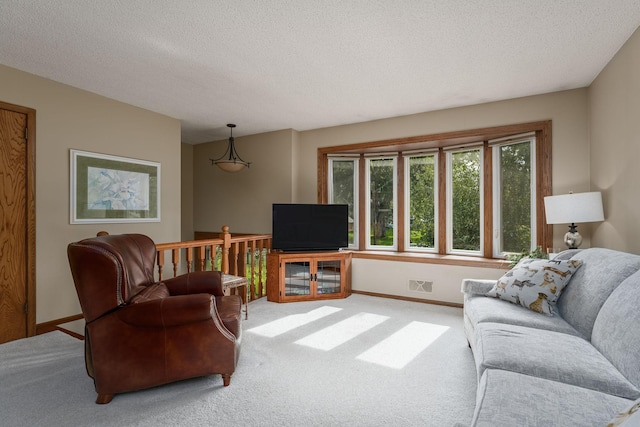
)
(567, 254)
(477, 286)
(198, 282)
(170, 311)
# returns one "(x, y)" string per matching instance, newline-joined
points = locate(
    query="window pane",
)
(343, 187)
(515, 197)
(381, 199)
(422, 173)
(465, 193)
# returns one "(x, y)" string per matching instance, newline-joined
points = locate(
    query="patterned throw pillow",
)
(630, 417)
(535, 283)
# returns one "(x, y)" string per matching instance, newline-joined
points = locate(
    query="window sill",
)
(428, 258)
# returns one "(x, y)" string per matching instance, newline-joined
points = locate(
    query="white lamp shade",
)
(574, 208)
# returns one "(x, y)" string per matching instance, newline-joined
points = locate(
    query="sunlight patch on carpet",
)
(343, 331)
(288, 323)
(402, 347)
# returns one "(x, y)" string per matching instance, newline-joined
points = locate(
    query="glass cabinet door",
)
(297, 278)
(328, 277)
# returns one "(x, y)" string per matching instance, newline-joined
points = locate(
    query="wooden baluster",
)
(189, 259)
(264, 270)
(175, 255)
(202, 253)
(242, 259)
(255, 269)
(160, 258)
(261, 263)
(233, 266)
(234, 258)
(225, 236)
(214, 256)
(252, 269)
(258, 272)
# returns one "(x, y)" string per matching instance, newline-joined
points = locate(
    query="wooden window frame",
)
(542, 129)
(407, 200)
(396, 158)
(448, 198)
(497, 223)
(356, 193)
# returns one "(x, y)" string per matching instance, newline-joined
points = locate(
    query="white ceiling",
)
(303, 64)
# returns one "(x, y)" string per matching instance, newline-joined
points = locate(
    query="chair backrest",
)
(109, 270)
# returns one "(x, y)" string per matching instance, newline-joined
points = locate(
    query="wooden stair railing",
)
(241, 255)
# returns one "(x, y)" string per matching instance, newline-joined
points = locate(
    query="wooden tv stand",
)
(305, 276)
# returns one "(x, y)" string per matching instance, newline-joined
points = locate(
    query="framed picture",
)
(107, 189)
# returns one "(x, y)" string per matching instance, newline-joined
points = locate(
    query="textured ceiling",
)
(301, 64)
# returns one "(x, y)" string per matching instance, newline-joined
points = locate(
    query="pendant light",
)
(230, 161)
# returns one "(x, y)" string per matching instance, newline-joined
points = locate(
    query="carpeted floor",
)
(361, 361)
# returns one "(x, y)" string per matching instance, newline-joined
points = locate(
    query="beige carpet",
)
(362, 361)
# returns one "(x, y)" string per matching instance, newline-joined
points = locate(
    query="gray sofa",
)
(579, 367)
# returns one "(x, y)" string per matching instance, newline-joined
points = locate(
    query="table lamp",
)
(574, 208)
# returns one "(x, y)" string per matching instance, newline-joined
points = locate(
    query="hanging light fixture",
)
(230, 161)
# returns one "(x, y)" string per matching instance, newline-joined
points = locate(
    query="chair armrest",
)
(170, 311)
(198, 282)
(477, 286)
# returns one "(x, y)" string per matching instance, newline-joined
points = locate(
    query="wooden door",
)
(17, 223)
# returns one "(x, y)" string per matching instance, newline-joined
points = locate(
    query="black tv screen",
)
(310, 227)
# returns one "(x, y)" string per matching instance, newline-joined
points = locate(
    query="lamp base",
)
(572, 238)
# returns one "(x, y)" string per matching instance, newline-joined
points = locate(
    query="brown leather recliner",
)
(141, 333)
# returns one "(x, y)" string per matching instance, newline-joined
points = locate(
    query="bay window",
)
(471, 193)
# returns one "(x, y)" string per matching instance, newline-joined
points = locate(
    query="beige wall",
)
(567, 110)
(386, 277)
(242, 200)
(186, 198)
(296, 152)
(284, 163)
(595, 147)
(614, 103)
(69, 118)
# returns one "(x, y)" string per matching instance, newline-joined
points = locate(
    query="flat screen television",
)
(310, 227)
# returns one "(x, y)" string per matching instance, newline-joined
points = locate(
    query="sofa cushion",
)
(469, 330)
(616, 331)
(535, 283)
(480, 309)
(601, 272)
(551, 355)
(507, 399)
